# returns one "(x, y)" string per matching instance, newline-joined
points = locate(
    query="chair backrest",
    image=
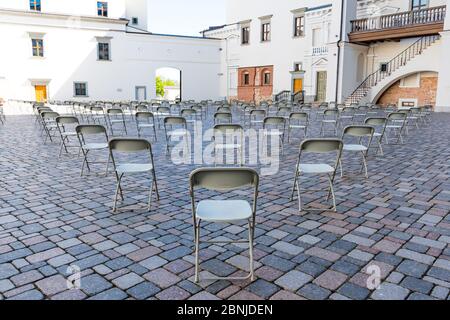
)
(85, 129)
(129, 145)
(188, 112)
(321, 145)
(144, 115)
(227, 128)
(223, 179)
(359, 131)
(114, 111)
(378, 121)
(49, 115)
(96, 109)
(258, 113)
(397, 116)
(141, 108)
(330, 113)
(298, 116)
(223, 116)
(175, 121)
(67, 120)
(284, 110)
(163, 110)
(274, 121)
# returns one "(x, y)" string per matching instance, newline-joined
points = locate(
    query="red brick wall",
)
(426, 94)
(256, 90)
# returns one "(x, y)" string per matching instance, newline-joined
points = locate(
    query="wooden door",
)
(298, 85)
(41, 93)
(321, 87)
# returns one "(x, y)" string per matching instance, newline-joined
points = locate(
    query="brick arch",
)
(375, 98)
(262, 74)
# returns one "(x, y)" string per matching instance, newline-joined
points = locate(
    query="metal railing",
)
(398, 61)
(320, 51)
(283, 96)
(399, 20)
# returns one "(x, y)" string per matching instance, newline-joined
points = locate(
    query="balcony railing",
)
(399, 20)
(320, 51)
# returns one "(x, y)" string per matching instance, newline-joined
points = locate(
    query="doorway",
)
(169, 84)
(298, 85)
(41, 93)
(141, 94)
(321, 86)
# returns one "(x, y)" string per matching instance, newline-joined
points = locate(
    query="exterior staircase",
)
(389, 70)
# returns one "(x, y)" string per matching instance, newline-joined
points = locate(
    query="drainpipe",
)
(339, 52)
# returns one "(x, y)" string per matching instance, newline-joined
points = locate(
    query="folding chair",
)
(190, 115)
(298, 120)
(49, 125)
(257, 117)
(161, 113)
(346, 116)
(63, 123)
(116, 116)
(223, 117)
(97, 114)
(87, 147)
(360, 132)
(330, 117)
(170, 124)
(228, 133)
(223, 109)
(380, 124)
(145, 120)
(360, 113)
(128, 146)
(318, 146)
(275, 127)
(396, 122)
(224, 211)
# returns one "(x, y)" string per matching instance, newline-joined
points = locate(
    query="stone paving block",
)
(111, 294)
(293, 280)
(263, 288)
(413, 268)
(408, 254)
(389, 291)
(417, 285)
(153, 262)
(353, 291)
(314, 292)
(52, 285)
(330, 280)
(94, 284)
(288, 248)
(127, 281)
(143, 291)
(162, 278)
(7, 270)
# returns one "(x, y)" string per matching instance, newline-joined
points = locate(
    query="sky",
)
(185, 17)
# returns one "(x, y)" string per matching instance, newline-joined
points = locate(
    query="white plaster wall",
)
(71, 55)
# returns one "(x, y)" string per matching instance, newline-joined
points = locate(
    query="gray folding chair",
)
(176, 127)
(116, 116)
(161, 113)
(396, 122)
(225, 136)
(64, 127)
(330, 117)
(257, 117)
(275, 127)
(379, 124)
(50, 128)
(298, 120)
(190, 115)
(359, 132)
(128, 146)
(92, 138)
(224, 211)
(145, 120)
(318, 146)
(97, 114)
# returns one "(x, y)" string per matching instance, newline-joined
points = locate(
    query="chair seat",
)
(177, 133)
(145, 125)
(224, 210)
(273, 133)
(354, 147)
(68, 133)
(228, 146)
(116, 121)
(134, 168)
(329, 121)
(297, 127)
(377, 134)
(393, 127)
(319, 168)
(95, 146)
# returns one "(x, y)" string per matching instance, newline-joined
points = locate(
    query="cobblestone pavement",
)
(397, 220)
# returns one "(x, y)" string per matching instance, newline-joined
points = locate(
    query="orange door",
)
(298, 85)
(41, 93)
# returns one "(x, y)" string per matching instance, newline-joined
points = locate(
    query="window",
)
(245, 35)
(384, 67)
(299, 26)
(102, 9)
(35, 5)
(419, 4)
(246, 79)
(134, 20)
(103, 51)
(297, 66)
(317, 37)
(38, 47)
(80, 89)
(265, 32)
(266, 78)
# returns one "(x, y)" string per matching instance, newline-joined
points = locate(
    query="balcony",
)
(320, 51)
(399, 25)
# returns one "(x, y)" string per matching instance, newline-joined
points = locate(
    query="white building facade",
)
(96, 50)
(348, 51)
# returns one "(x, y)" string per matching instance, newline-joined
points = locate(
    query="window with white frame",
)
(266, 28)
(35, 5)
(245, 32)
(37, 45)
(102, 9)
(80, 89)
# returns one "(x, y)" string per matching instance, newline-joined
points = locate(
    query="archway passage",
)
(168, 84)
(416, 89)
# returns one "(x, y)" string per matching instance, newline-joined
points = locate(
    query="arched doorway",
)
(168, 84)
